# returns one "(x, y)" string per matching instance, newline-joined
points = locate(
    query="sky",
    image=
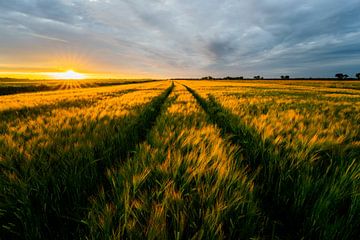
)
(180, 38)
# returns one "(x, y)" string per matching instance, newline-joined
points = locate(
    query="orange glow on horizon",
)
(69, 66)
(66, 75)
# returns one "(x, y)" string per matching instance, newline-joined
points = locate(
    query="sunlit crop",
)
(179, 160)
(304, 139)
(196, 183)
(301, 118)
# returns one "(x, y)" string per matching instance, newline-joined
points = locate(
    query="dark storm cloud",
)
(221, 48)
(189, 38)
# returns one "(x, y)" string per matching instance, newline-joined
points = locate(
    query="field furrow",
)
(293, 185)
(184, 160)
(51, 165)
(183, 182)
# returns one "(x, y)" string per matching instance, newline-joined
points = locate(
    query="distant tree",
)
(285, 77)
(346, 76)
(357, 76)
(207, 78)
(258, 77)
(340, 76)
(233, 78)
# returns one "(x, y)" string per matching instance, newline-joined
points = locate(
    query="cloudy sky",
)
(181, 38)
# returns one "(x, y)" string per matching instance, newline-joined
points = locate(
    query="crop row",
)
(14, 86)
(31, 100)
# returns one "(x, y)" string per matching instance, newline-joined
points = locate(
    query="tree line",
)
(340, 76)
(345, 76)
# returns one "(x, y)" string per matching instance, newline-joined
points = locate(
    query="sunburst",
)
(70, 74)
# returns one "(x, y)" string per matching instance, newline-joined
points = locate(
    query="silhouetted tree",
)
(357, 76)
(207, 78)
(346, 76)
(339, 75)
(285, 77)
(258, 77)
(233, 78)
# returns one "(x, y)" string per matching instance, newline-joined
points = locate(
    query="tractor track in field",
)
(53, 203)
(61, 217)
(178, 154)
(289, 189)
(134, 134)
(281, 222)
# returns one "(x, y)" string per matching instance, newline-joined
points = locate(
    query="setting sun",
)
(70, 74)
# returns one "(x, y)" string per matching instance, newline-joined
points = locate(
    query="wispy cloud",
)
(47, 37)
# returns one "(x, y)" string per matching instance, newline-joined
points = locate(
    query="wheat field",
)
(184, 159)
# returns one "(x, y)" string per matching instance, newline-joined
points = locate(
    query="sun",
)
(69, 74)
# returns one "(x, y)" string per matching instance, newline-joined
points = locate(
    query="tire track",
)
(290, 192)
(50, 198)
(262, 161)
(182, 183)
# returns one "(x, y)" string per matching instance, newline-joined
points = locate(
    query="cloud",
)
(185, 38)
